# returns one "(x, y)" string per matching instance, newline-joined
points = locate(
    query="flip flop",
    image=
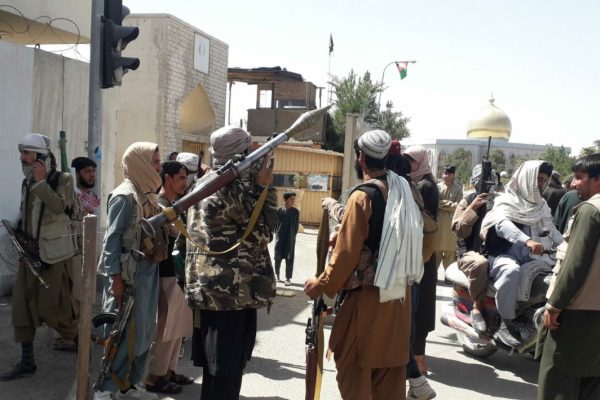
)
(163, 386)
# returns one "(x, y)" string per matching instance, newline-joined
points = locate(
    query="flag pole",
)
(383, 76)
(329, 85)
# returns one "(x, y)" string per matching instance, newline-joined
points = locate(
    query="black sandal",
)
(164, 386)
(180, 379)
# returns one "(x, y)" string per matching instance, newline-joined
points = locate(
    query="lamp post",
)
(383, 76)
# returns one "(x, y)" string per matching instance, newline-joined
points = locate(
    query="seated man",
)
(517, 230)
(466, 224)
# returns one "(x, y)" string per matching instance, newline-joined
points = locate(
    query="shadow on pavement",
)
(275, 370)
(477, 377)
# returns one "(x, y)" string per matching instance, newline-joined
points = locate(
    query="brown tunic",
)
(379, 333)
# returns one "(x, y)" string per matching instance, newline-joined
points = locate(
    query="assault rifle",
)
(111, 344)
(487, 181)
(30, 261)
(208, 185)
(314, 326)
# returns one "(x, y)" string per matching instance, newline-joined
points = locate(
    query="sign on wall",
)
(317, 183)
(201, 53)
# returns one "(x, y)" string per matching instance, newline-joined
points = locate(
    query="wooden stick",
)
(88, 296)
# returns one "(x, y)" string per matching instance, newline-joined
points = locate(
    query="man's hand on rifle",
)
(312, 288)
(117, 288)
(39, 171)
(265, 174)
(535, 247)
(479, 201)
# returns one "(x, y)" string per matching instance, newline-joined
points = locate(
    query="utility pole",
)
(95, 94)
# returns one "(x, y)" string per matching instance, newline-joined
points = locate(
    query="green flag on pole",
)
(402, 68)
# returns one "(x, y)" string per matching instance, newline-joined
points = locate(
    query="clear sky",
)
(540, 58)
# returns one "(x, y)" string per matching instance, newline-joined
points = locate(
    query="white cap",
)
(375, 143)
(35, 142)
(189, 161)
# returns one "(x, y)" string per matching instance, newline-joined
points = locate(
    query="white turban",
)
(228, 141)
(375, 143)
(189, 160)
(36, 143)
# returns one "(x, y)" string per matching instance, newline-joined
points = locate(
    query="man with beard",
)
(45, 195)
(85, 174)
(517, 230)
(376, 255)
(570, 366)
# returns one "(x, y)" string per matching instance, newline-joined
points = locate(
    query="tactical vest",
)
(474, 241)
(364, 273)
(132, 237)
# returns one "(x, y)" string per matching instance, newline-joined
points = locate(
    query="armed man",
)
(450, 194)
(46, 197)
(570, 366)
(466, 224)
(130, 260)
(370, 337)
(228, 266)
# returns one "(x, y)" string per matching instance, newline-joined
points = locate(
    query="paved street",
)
(277, 368)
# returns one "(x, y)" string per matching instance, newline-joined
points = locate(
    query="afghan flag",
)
(402, 68)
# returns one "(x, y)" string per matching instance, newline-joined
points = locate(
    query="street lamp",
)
(383, 76)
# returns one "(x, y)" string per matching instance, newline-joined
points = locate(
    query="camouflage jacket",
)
(242, 278)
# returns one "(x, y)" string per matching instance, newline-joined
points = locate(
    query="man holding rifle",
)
(376, 255)
(228, 267)
(130, 259)
(46, 194)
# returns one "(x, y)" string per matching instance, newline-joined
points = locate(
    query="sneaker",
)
(507, 337)
(287, 283)
(102, 395)
(419, 389)
(478, 322)
(135, 393)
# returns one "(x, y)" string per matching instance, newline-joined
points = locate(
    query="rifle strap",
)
(172, 216)
(124, 383)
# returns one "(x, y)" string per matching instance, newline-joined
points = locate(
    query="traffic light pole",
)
(95, 94)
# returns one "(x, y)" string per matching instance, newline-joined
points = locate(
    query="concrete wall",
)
(16, 64)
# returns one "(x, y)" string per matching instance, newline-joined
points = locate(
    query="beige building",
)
(177, 96)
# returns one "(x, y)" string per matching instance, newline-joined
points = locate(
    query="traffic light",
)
(114, 39)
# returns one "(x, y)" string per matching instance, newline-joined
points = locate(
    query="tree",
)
(463, 161)
(393, 122)
(558, 157)
(358, 95)
(498, 159)
(586, 151)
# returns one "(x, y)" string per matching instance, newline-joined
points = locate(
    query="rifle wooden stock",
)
(25, 258)
(211, 183)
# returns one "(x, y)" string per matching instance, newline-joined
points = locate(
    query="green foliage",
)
(498, 159)
(558, 157)
(393, 122)
(462, 159)
(358, 95)
(586, 151)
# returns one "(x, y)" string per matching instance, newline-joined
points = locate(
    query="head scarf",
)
(227, 142)
(395, 148)
(522, 202)
(37, 143)
(421, 155)
(138, 169)
(375, 143)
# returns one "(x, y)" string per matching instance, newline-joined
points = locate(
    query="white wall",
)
(16, 69)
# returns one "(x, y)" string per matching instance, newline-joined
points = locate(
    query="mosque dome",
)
(490, 121)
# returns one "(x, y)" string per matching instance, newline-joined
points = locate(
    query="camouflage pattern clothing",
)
(242, 278)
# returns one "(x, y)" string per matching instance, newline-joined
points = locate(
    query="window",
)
(265, 98)
(283, 180)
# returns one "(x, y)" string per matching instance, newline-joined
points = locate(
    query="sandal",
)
(163, 386)
(180, 379)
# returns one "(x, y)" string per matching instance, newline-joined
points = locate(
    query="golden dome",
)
(490, 121)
